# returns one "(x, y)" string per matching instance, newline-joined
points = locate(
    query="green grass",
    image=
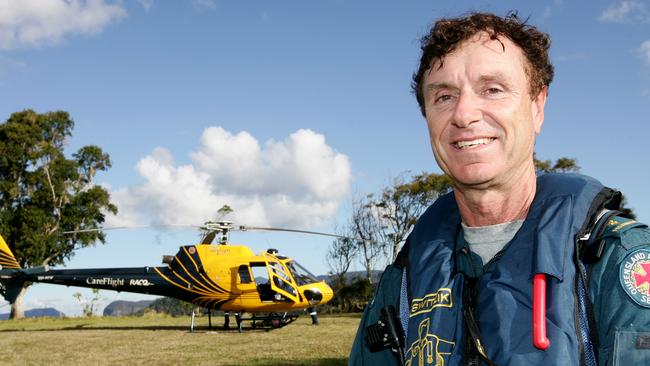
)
(163, 340)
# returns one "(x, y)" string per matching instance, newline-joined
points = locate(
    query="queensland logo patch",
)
(635, 276)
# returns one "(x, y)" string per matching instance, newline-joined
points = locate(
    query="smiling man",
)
(509, 268)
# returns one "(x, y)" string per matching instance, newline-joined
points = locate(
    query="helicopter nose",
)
(320, 294)
(327, 294)
(313, 295)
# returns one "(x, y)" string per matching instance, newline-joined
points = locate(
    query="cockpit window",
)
(244, 274)
(283, 281)
(277, 269)
(300, 274)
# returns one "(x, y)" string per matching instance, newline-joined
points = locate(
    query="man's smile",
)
(470, 144)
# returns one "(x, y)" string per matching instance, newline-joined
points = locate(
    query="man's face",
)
(482, 121)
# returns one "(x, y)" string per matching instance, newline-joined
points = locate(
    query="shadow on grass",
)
(91, 326)
(312, 362)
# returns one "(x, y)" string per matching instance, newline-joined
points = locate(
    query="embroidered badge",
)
(635, 276)
(428, 349)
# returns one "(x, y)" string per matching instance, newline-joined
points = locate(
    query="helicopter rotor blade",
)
(211, 229)
(130, 227)
(246, 228)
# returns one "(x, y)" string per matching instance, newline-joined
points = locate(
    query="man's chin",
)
(473, 179)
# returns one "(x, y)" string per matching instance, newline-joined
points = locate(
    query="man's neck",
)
(497, 205)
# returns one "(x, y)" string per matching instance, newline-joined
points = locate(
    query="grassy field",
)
(163, 340)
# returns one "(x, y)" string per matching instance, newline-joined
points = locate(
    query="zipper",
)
(576, 315)
(474, 350)
(494, 259)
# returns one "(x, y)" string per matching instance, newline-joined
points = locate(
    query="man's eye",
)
(493, 91)
(443, 98)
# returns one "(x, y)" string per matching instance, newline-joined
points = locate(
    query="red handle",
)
(539, 312)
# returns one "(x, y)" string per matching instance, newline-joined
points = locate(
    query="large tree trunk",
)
(369, 271)
(18, 307)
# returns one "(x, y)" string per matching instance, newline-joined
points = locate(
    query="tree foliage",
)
(340, 257)
(561, 165)
(365, 227)
(380, 223)
(88, 305)
(171, 306)
(43, 193)
(568, 165)
(352, 297)
(401, 204)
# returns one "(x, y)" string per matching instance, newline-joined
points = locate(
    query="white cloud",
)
(645, 51)
(32, 23)
(625, 11)
(298, 182)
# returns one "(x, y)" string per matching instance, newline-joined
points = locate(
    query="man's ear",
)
(538, 109)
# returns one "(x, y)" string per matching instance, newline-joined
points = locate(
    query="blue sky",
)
(286, 110)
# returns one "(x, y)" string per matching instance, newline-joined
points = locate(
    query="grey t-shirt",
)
(486, 241)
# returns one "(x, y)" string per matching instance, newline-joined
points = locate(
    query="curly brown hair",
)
(448, 33)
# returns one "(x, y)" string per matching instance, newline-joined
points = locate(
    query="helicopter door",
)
(279, 278)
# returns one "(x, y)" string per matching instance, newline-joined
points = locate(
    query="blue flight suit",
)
(614, 325)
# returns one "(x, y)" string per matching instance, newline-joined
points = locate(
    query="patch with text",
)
(440, 298)
(635, 276)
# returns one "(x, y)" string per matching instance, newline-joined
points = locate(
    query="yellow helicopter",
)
(231, 278)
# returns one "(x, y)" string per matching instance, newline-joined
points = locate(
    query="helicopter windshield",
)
(300, 274)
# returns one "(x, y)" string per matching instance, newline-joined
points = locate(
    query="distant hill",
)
(124, 308)
(37, 313)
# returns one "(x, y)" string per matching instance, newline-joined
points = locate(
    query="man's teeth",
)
(472, 143)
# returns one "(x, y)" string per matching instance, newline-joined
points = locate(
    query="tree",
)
(171, 306)
(561, 165)
(379, 226)
(224, 211)
(43, 193)
(365, 227)
(88, 305)
(567, 165)
(353, 297)
(401, 205)
(340, 257)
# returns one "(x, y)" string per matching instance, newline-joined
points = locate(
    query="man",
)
(509, 268)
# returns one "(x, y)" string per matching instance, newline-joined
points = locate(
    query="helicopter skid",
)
(268, 320)
(273, 320)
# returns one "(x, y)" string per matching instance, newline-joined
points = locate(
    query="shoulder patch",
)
(635, 276)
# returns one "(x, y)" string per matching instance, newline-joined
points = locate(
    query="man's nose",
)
(466, 110)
